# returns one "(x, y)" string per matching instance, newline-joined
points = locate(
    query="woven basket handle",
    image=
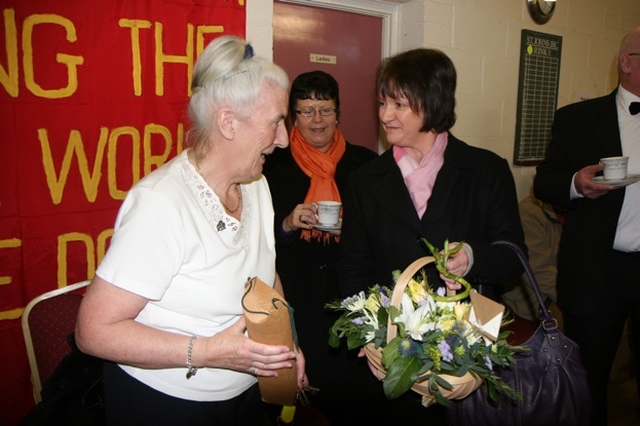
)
(401, 285)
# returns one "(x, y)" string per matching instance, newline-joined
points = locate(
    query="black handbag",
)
(549, 376)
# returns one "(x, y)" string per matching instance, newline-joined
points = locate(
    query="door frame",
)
(389, 13)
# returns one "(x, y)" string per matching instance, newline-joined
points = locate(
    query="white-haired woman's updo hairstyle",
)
(228, 74)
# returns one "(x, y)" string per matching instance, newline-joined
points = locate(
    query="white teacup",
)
(328, 212)
(615, 168)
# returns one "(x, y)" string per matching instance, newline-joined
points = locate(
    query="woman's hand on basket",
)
(457, 264)
(454, 257)
(372, 367)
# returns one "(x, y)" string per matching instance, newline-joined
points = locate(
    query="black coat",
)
(301, 263)
(473, 200)
(582, 133)
(307, 271)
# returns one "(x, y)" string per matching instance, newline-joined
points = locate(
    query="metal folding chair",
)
(47, 322)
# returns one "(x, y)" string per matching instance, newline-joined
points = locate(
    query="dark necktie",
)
(634, 108)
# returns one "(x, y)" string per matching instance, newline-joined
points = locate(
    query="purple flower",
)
(445, 350)
(385, 301)
(359, 320)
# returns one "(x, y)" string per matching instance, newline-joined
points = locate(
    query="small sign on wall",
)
(537, 95)
(322, 59)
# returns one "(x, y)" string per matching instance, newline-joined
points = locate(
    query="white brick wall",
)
(482, 37)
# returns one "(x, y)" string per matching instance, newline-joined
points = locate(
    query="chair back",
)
(47, 322)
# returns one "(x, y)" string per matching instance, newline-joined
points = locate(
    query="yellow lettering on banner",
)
(71, 61)
(180, 138)
(113, 171)
(155, 160)
(9, 77)
(201, 30)
(90, 180)
(63, 242)
(11, 314)
(136, 25)
(9, 243)
(94, 257)
(102, 244)
(162, 58)
(57, 180)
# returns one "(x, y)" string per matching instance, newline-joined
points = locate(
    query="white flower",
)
(370, 336)
(416, 321)
(469, 333)
(354, 303)
(372, 320)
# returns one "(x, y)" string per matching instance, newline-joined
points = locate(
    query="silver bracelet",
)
(191, 370)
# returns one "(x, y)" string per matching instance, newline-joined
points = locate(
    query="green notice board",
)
(537, 95)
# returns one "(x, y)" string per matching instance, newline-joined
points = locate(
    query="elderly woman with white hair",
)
(164, 308)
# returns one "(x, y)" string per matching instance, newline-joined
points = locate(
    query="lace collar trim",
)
(211, 207)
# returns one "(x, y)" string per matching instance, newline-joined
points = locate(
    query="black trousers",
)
(130, 402)
(599, 334)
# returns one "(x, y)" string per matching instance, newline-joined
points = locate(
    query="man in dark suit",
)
(599, 257)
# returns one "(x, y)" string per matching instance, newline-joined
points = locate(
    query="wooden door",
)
(346, 45)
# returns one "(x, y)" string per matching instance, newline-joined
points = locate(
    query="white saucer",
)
(618, 182)
(328, 228)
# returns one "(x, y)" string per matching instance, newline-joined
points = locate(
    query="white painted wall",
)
(483, 38)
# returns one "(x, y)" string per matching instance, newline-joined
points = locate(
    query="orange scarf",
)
(321, 168)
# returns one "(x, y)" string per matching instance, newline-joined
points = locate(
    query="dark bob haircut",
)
(314, 85)
(427, 78)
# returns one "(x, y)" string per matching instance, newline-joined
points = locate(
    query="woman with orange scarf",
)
(315, 167)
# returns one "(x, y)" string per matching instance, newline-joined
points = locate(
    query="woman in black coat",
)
(316, 167)
(428, 185)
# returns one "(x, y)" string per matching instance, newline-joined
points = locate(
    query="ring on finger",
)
(252, 370)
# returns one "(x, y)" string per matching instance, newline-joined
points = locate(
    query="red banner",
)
(92, 98)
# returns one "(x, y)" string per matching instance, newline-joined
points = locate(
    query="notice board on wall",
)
(537, 95)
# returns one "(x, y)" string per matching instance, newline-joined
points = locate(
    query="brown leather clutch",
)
(268, 318)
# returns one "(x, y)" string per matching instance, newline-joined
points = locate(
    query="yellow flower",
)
(447, 323)
(460, 310)
(372, 304)
(417, 292)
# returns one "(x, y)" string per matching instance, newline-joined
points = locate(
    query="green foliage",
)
(434, 336)
(402, 373)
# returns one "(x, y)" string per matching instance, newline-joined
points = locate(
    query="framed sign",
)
(537, 95)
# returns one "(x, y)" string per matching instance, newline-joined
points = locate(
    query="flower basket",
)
(462, 386)
(415, 337)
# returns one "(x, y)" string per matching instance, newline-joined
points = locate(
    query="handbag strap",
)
(547, 321)
(251, 285)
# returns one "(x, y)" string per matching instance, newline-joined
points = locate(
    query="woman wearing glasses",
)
(314, 168)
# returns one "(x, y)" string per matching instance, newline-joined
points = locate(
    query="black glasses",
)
(633, 54)
(312, 112)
